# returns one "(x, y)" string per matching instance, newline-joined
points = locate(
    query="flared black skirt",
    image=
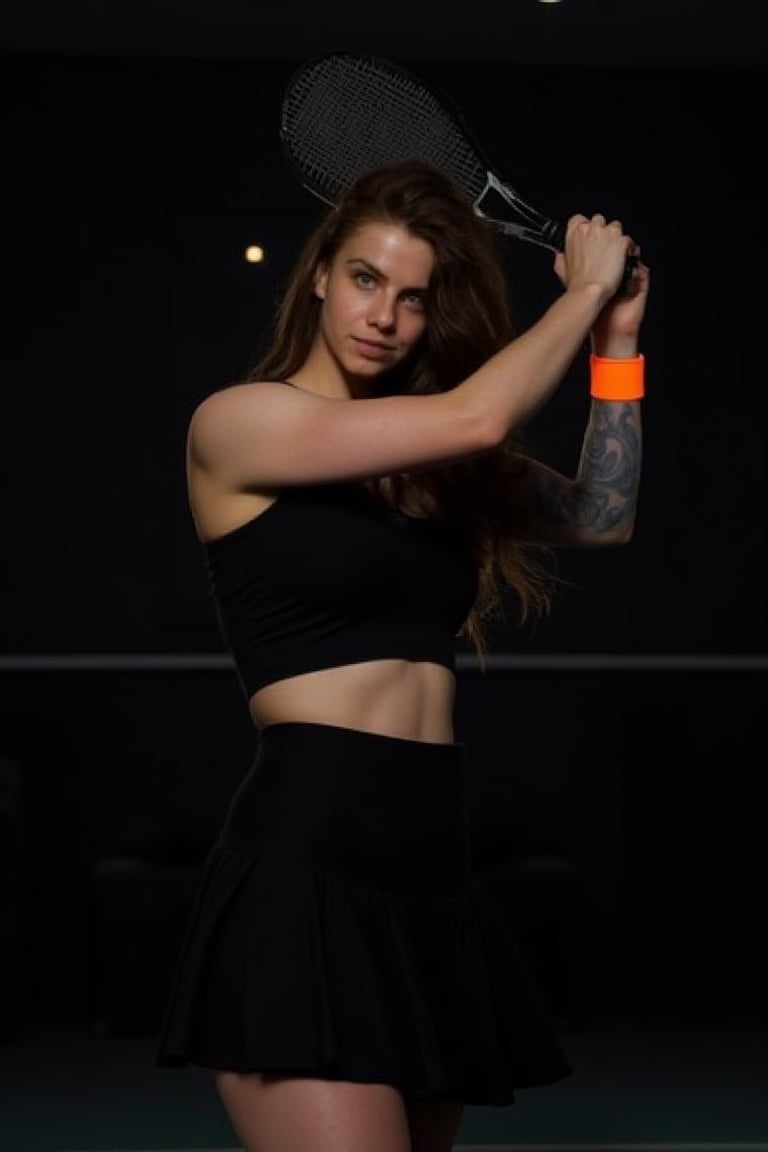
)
(339, 931)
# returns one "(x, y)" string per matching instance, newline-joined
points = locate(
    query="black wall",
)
(131, 189)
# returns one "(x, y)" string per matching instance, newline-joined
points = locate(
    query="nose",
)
(383, 314)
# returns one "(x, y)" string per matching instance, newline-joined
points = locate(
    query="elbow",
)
(601, 519)
(626, 526)
(487, 432)
(622, 534)
(619, 521)
(615, 532)
(473, 426)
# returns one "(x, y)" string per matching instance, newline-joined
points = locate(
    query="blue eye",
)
(415, 300)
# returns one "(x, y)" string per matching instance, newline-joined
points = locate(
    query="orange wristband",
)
(614, 379)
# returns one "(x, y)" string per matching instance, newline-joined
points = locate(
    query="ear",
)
(321, 281)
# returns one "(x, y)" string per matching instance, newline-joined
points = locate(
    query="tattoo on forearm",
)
(604, 493)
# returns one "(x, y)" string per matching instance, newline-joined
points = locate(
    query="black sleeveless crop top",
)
(328, 575)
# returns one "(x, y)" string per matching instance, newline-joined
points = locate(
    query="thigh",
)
(433, 1124)
(296, 1114)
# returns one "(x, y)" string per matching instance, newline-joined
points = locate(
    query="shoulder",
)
(227, 419)
(243, 393)
(228, 407)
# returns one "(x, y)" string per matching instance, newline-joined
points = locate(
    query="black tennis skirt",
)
(339, 932)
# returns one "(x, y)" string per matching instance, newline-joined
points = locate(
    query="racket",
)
(346, 112)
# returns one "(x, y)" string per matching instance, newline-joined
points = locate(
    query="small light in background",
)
(549, 1)
(254, 254)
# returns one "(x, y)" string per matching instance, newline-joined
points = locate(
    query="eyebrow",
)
(378, 272)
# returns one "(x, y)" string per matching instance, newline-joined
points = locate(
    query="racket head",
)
(346, 112)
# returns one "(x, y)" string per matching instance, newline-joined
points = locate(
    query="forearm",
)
(605, 491)
(515, 383)
(598, 506)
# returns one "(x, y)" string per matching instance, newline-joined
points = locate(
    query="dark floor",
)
(63, 1089)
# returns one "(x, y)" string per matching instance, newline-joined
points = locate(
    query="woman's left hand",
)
(623, 315)
(617, 328)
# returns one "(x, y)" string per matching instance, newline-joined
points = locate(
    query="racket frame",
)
(530, 225)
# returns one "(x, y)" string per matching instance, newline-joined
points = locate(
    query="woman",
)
(360, 499)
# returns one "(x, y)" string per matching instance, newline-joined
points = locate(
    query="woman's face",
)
(374, 299)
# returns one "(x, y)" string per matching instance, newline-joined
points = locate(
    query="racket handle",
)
(557, 238)
(630, 264)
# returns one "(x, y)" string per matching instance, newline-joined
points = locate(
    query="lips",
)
(371, 349)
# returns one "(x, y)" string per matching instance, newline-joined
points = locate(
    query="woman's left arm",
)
(596, 507)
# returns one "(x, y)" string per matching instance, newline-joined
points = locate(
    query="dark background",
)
(132, 183)
(132, 189)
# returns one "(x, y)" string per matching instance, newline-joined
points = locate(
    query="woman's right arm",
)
(265, 435)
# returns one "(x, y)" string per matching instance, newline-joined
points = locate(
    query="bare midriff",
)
(401, 698)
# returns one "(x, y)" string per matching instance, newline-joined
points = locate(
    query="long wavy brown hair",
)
(468, 320)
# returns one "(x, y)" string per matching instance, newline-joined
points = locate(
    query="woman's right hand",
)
(595, 254)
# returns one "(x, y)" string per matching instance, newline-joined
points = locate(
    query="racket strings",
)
(345, 114)
(341, 119)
